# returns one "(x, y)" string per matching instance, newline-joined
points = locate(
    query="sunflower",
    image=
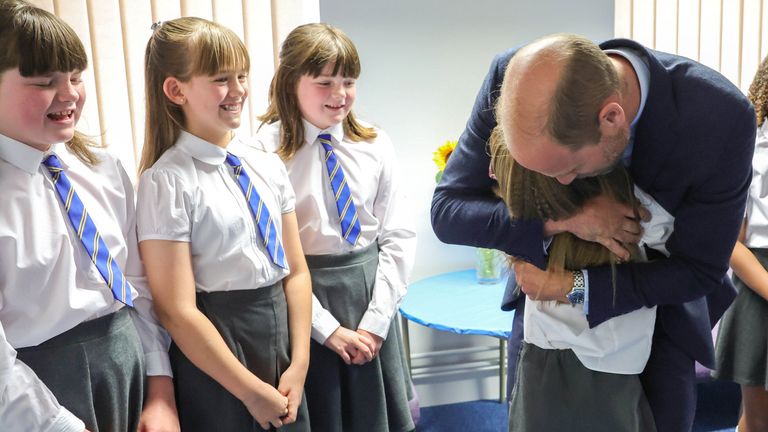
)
(441, 155)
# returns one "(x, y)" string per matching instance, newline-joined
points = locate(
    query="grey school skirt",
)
(742, 341)
(95, 370)
(348, 398)
(555, 392)
(254, 325)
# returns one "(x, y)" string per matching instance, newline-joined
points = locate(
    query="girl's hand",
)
(159, 413)
(292, 386)
(374, 346)
(347, 344)
(267, 406)
(543, 285)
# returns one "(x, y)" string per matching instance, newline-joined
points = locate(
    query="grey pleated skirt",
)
(348, 398)
(742, 341)
(254, 325)
(555, 392)
(95, 370)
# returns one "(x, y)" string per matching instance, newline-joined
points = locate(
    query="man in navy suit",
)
(687, 136)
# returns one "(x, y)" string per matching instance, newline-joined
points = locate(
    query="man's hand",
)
(539, 284)
(605, 221)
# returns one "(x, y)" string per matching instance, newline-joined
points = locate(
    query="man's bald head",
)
(557, 85)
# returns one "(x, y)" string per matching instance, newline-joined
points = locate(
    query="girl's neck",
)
(222, 140)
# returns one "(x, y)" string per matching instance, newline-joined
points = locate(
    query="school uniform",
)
(577, 378)
(358, 284)
(71, 355)
(742, 342)
(191, 195)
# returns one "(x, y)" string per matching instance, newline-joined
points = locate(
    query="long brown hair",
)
(533, 196)
(38, 42)
(182, 48)
(306, 51)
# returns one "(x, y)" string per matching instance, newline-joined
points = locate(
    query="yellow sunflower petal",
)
(441, 155)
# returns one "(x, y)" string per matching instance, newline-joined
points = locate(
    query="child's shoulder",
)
(267, 137)
(172, 164)
(255, 151)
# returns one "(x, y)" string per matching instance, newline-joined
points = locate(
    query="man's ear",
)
(611, 117)
(173, 91)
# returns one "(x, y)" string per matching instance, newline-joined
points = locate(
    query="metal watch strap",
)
(576, 296)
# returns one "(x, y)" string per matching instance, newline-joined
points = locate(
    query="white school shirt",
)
(620, 345)
(49, 285)
(190, 195)
(371, 172)
(757, 205)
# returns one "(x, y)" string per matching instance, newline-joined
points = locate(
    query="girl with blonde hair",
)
(353, 227)
(219, 239)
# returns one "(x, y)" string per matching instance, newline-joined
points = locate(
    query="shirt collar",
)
(311, 132)
(28, 158)
(640, 65)
(201, 149)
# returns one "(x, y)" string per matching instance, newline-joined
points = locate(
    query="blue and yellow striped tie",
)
(345, 205)
(88, 233)
(259, 211)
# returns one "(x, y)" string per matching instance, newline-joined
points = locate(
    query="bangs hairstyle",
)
(38, 43)
(533, 196)
(306, 51)
(182, 48)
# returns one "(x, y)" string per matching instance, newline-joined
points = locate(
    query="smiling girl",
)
(218, 236)
(354, 229)
(79, 344)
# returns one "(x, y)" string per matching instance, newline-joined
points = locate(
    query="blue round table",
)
(456, 303)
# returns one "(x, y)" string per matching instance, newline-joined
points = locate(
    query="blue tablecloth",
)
(455, 302)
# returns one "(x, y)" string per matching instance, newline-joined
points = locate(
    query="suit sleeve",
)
(706, 226)
(465, 209)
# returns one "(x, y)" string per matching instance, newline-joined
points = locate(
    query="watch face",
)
(576, 296)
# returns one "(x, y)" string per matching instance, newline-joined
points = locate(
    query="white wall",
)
(423, 63)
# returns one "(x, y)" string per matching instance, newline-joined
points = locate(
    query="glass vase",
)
(490, 266)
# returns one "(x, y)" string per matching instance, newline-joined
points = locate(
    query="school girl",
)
(742, 344)
(569, 376)
(77, 334)
(354, 229)
(218, 236)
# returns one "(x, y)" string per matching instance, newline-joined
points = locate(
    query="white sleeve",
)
(26, 404)
(397, 246)
(163, 208)
(323, 323)
(155, 340)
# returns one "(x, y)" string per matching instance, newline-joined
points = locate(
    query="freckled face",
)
(326, 100)
(40, 110)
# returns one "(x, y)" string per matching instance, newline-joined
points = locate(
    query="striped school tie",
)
(259, 211)
(345, 205)
(88, 233)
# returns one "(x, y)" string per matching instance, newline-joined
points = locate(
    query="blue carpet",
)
(717, 411)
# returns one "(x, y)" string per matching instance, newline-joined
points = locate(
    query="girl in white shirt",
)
(218, 235)
(742, 344)
(76, 352)
(569, 376)
(354, 230)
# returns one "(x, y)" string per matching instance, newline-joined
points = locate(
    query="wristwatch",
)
(576, 296)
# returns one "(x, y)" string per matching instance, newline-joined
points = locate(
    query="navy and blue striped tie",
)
(345, 205)
(266, 225)
(88, 233)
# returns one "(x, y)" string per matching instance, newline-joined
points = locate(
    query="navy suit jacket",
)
(692, 152)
